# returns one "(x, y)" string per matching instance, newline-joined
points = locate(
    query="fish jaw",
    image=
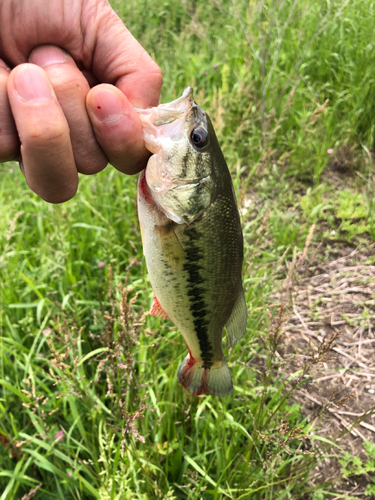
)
(165, 121)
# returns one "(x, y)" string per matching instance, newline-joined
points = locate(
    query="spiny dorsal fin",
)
(236, 324)
(157, 310)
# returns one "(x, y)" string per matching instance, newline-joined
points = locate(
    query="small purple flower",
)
(330, 151)
(47, 331)
(215, 66)
(40, 355)
(59, 435)
(101, 264)
(69, 474)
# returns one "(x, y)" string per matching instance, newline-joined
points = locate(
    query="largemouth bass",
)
(192, 239)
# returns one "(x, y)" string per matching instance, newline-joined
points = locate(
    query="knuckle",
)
(91, 165)
(89, 157)
(155, 74)
(70, 83)
(42, 136)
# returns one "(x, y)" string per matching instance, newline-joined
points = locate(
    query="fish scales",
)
(192, 241)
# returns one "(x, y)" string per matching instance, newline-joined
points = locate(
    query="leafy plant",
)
(355, 466)
(345, 212)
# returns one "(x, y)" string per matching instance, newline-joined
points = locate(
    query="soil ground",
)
(331, 327)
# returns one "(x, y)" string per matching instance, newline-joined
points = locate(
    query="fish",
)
(192, 239)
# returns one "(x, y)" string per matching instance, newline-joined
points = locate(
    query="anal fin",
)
(236, 324)
(157, 310)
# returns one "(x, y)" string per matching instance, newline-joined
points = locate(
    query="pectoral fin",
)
(171, 247)
(157, 310)
(236, 324)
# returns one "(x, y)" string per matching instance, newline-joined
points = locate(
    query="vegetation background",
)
(90, 406)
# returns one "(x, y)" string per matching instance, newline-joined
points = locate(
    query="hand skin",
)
(51, 53)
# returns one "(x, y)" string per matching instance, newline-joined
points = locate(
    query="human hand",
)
(49, 117)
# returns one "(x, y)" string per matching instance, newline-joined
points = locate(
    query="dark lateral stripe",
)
(198, 308)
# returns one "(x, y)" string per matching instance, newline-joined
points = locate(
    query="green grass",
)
(77, 353)
(79, 356)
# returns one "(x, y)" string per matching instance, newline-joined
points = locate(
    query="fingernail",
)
(107, 107)
(46, 55)
(32, 84)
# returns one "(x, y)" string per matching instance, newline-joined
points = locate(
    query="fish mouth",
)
(169, 112)
(182, 104)
(175, 108)
(166, 120)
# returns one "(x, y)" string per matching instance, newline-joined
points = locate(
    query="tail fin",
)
(216, 380)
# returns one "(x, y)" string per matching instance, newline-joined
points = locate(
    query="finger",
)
(71, 88)
(9, 142)
(46, 150)
(92, 34)
(119, 59)
(117, 128)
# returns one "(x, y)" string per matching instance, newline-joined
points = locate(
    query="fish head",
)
(181, 173)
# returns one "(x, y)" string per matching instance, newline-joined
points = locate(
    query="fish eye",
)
(199, 137)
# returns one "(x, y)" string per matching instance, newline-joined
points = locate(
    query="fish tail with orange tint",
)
(198, 379)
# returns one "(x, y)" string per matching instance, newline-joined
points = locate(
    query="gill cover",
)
(179, 175)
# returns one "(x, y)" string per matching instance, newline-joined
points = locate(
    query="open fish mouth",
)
(166, 120)
(181, 104)
(174, 108)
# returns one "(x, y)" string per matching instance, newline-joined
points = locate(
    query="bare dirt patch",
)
(343, 168)
(331, 327)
